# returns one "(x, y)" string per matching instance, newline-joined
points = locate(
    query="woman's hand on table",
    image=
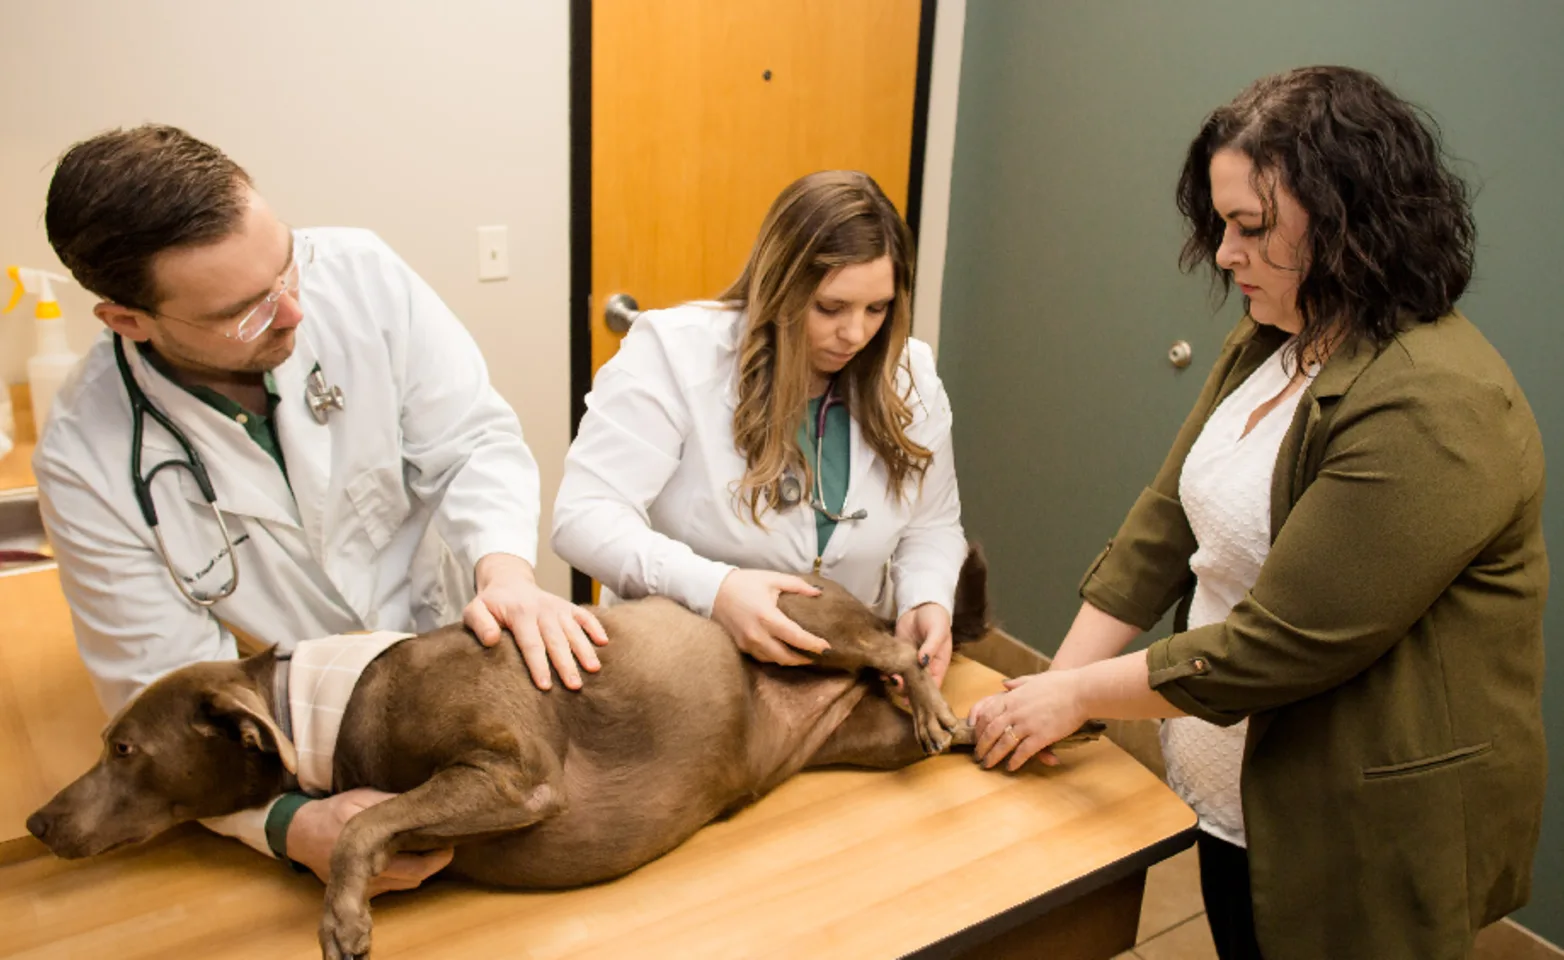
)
(1032, 714)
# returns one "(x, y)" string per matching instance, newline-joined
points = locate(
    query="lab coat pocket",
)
(380, 499)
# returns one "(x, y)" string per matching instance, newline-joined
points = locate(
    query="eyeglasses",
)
(259, 318)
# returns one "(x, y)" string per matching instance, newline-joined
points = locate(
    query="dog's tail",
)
(972, 617)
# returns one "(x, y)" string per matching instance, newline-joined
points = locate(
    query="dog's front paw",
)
(934, 739)
(938, 728)
(344, 932)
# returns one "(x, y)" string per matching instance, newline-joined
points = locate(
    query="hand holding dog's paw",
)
(315, 828)
(1034, 713)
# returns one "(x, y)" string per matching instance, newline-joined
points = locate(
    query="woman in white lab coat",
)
(701, 470)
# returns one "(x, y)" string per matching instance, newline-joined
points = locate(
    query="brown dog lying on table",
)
(534, 789)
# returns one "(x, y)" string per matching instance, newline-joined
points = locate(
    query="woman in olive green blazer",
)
(1388, 655)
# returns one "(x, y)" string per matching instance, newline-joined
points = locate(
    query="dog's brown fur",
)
(534, 789)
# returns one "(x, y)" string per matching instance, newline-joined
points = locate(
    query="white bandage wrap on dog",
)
(324, 673)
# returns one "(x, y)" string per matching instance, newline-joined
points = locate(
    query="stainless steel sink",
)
(23, 544)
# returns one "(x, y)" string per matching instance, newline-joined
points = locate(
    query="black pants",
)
(1224, 884)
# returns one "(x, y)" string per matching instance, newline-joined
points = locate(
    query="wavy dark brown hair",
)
(820, 223)
(1390, 239)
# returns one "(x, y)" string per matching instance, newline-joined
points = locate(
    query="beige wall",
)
(421, 121)
(939, 152)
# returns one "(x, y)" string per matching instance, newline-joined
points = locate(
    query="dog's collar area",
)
(282, 707)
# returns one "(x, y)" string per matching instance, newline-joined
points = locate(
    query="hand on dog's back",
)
(315, 828)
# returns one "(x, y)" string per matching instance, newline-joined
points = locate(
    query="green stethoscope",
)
(791, 491)
(140, 407)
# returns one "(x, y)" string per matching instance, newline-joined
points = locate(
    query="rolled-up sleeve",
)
(1418, 475)
(1144, 569)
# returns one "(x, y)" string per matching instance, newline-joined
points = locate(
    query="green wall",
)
(1062, 293)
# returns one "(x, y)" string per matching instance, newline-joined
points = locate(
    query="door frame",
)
(581, 201)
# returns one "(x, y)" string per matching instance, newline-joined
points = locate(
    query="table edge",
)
(964, 940)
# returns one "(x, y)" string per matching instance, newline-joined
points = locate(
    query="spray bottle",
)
(48, 368)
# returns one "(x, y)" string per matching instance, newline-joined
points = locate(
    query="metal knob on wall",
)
(1180, 354)
(620, 312)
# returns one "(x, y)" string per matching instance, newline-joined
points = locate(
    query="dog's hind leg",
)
(483, 792)
(880, 735)
(933, 722)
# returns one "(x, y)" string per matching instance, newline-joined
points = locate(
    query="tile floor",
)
(1172, 919)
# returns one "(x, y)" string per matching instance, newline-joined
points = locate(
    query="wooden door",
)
(703, 110)
(695, 114)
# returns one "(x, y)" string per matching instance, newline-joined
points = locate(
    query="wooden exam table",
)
(939, 860)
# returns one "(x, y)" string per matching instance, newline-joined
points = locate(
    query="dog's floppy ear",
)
(243, 709)
(972, 617)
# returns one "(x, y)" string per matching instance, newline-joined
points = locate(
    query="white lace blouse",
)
(1225, 488)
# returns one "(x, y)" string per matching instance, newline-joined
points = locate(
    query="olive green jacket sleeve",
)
(1144, 569)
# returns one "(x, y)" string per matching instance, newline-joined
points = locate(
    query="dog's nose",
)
(38, 826)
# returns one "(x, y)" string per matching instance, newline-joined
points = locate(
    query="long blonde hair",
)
(820, 223)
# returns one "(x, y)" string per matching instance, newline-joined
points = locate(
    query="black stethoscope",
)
(791, 491)
(141, 406)
(320, 398)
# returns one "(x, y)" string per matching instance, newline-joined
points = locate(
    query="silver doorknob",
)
(621, 311)
(1180, 354)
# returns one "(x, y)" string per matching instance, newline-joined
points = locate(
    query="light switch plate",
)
(493, 253)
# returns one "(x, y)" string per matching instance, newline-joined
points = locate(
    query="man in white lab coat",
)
(341, 517)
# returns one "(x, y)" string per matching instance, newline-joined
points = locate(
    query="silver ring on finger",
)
(1010, 731)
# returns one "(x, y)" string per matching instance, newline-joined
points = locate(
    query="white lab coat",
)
(424, 440)
(647, 503)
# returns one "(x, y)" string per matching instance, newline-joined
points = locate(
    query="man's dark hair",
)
(122, 197)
